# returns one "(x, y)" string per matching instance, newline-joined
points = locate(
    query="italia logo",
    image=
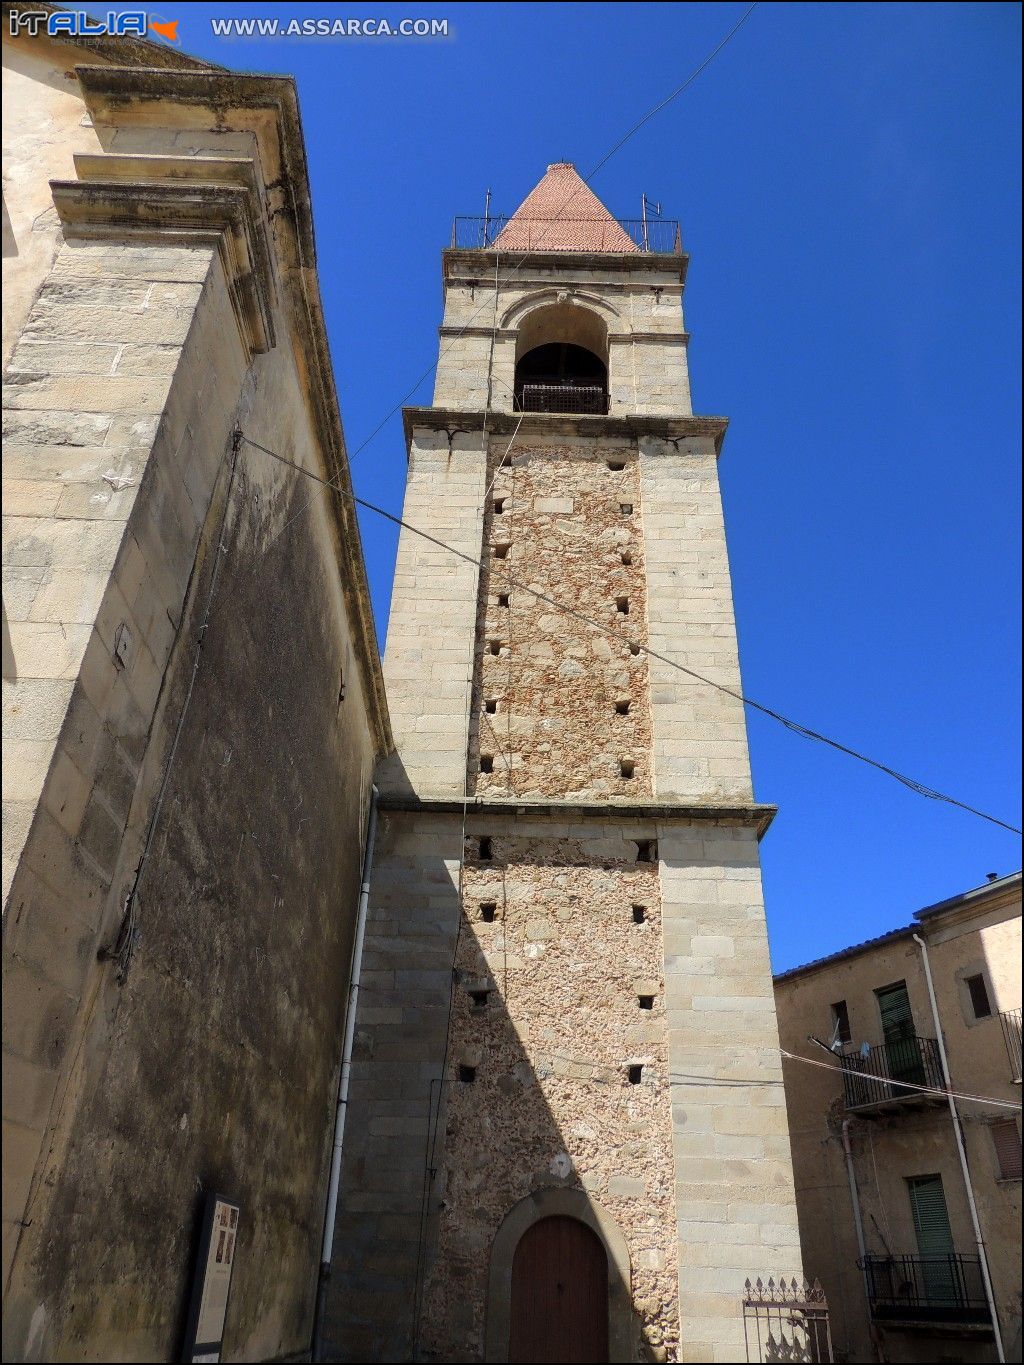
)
(75, 24)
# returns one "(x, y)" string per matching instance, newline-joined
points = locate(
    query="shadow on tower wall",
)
(505, 1071)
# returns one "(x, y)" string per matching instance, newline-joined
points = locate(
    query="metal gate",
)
(786, 1321)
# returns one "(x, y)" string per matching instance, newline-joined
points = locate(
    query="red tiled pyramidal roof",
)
(562, 213)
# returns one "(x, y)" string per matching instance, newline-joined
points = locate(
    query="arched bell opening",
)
(562, 361)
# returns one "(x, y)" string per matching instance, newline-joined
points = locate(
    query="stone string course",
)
(551, 1103)
(555, 680)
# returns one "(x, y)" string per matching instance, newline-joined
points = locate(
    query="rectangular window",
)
(1006, 1141)
(841, 1022)
(980, 1002)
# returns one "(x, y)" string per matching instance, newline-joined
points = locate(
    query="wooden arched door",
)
(559, 1309)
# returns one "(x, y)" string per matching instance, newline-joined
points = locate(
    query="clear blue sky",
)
(847, 177)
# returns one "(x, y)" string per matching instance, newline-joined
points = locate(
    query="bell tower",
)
(567, 1103)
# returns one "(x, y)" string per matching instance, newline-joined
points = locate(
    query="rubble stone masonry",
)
(561, 708)
(558, 992)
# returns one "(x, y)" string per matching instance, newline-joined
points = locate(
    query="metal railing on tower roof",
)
(650, 235)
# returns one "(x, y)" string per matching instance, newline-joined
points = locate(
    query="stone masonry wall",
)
(182, 1077)
(83, 395)
(429, 657)
(565, 967)
(700, 748)
(639, 306)
(735, 1200)
(567, 519)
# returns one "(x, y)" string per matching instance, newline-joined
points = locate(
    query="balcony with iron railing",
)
(887, 1076)
(1011, 1022)
(926, 1290)
(659, 235)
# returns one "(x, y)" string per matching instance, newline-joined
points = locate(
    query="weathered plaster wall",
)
(565, 517)
(918, 1138)
(45, 123)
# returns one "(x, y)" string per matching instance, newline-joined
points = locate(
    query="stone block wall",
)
(207, 1056)
(570, 702)
(700, 737)
(382, 1233)
(83, 397)
(428, 662)
(735, 1202)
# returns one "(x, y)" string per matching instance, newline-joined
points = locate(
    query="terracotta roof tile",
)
(562, 213)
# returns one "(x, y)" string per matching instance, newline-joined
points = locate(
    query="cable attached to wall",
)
(123, 948)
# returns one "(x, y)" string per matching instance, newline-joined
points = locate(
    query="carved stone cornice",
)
(755, 814)
(550, 426)
(173, 210)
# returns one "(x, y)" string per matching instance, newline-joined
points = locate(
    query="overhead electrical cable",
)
(920, 788)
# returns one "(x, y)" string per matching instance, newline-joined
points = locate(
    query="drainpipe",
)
(961, 1148)
(854, 1196)
(858, 1224)
(327, 1249)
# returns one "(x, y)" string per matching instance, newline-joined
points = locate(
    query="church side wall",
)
(209, 1060)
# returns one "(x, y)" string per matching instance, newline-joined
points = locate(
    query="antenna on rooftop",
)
(487, 216)
(646, 204)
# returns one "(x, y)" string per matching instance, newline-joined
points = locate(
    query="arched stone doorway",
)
(512, 1279)
(559, 1308)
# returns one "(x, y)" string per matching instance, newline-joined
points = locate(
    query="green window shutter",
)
(894, 1008)
(931, 1217)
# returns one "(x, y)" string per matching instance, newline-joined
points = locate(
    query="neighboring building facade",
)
(567, 1052)
(870, 1151)
(193, 702)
